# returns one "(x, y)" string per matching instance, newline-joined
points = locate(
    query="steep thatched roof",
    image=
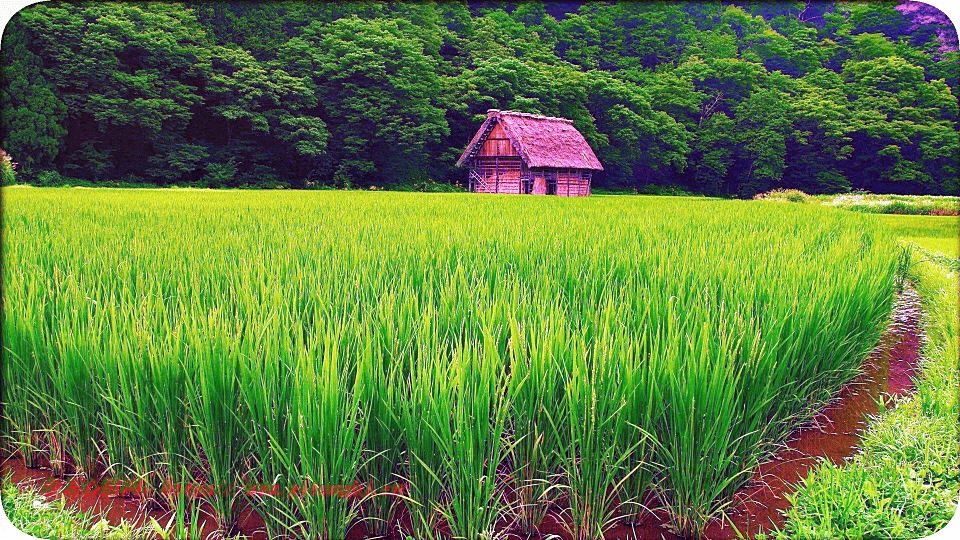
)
(542, 141)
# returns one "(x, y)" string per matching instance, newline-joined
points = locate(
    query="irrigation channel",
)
(834, 433)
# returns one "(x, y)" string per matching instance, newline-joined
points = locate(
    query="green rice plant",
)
(23, 378)
(473, 445)
(123, 398)
(328, 429)
(215, 405)
(700, 441)
(905, 480)
(114, 423)
(536, 393)
(612, 350)
(76, 350)
(643, 414)
(425, 417)
(146, 419)
(21, 425)
(165, 416)
(596, 456)
(266, 385)
(380, 392)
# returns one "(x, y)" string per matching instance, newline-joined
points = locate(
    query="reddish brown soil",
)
(907, 331)
(833, 434)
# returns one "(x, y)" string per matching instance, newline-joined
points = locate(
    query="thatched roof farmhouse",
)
(515, 152)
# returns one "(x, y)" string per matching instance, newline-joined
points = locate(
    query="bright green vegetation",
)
(935, 233)
(7, 169)
(870, 203)
(897, 204)
(718, 98)
(906, 481)
(29, 512)
(607, 347)
(936, 230)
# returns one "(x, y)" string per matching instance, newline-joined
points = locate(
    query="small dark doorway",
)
(551, 182)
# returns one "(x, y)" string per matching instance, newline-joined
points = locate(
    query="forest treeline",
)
(713, 97)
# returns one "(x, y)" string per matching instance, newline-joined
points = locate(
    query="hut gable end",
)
(541, 141)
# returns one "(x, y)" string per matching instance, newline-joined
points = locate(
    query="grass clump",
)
(786, 195)
(537, 394)
(381, 392)
(475, 445)
(869, 203)
(898, 204)
(29, 512)
(599, 442)
(8, 176)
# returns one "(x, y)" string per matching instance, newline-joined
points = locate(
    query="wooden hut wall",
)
(497, 144)
(497, 167)
(573, 183)
(499, 175)
(510, 175)
(538, 179)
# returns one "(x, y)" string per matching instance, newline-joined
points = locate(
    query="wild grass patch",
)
(32, 514)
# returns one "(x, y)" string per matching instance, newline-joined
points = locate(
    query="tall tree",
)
(380, 94)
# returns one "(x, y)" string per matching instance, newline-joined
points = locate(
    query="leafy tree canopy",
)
(725, 98)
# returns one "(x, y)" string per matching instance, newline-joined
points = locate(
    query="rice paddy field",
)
(495, 356)
(935, 233)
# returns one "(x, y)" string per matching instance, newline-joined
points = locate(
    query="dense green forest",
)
(712, 97)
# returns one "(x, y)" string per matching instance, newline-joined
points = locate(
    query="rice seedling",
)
(473, 446)
(145, 410)
(596, 455)
(642, 413)
(699, 452)
(214, 401)
(23, 377)
(537, 397)
(329, 430)
(380, 392)
(425, 417)
(266, 386)
(75, 385)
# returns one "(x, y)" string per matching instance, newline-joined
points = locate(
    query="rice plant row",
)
(498, 357)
